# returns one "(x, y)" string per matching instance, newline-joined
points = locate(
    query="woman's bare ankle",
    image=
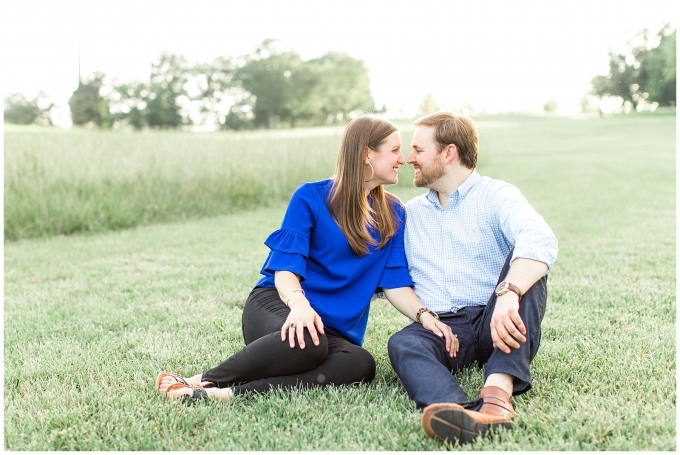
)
(194, 380)
(220, 394)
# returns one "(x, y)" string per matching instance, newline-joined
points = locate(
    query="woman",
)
(340, 240)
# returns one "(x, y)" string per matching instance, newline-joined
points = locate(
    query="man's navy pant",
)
(420, 359)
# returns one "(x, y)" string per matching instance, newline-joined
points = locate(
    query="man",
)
(479, 255)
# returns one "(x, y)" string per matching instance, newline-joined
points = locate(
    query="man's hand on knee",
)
(507, 328)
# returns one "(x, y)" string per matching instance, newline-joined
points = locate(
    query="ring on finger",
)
(292, 325)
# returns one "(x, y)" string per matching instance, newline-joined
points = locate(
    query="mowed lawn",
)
(91, 319)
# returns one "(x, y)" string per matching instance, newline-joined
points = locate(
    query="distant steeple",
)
(80, 77)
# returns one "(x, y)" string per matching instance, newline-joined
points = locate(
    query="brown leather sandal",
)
(197, 392)
(175, 376)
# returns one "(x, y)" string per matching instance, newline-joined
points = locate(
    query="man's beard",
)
(428, 174)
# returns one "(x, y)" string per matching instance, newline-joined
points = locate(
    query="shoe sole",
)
(454, 425)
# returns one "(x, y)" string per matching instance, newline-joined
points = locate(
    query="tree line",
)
(270, 86)
(273, 86)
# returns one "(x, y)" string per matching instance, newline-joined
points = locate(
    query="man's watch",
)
(505, 286)
(425, 310)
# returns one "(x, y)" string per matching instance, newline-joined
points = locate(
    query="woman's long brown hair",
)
(348, 202)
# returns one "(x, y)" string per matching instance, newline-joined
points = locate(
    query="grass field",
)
(91, 319)
(63, 182)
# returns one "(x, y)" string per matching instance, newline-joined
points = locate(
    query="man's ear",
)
(450, 153)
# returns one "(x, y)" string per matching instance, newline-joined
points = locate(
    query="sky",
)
(495, 55)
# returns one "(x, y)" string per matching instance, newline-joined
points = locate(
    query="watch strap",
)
(507, 286)
(515, 289)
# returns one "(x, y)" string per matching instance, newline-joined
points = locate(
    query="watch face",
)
(502, 286)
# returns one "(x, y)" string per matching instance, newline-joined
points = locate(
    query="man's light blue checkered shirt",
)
(455, 253)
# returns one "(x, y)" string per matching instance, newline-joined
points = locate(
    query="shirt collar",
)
(460, 192)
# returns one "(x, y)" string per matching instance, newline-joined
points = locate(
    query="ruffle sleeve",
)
(289, 245)
(288, 251)
(395, 274)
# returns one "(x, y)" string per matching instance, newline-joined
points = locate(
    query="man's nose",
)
(411, 158)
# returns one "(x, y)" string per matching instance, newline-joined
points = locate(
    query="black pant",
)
(266, 362)
(420, 359)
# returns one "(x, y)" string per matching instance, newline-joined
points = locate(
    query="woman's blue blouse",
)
(338, 284)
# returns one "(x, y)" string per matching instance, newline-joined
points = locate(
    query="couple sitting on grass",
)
(468, 262)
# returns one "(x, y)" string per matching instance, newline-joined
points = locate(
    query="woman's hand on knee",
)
(443, 331)
(302, 315)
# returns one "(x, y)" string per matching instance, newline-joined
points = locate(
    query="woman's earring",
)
(372, 173)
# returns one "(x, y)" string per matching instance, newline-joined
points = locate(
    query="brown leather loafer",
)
(496, 402)
(455, 424)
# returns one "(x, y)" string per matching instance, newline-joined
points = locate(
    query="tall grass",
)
(83, 181)
(66, 182)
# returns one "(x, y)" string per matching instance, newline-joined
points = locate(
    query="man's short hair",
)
(457, 129)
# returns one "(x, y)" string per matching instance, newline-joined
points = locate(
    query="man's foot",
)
(451, 422)
(455, 424)
(496, 402)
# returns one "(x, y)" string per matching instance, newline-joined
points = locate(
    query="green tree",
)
(550, 106)
(127, 104)
(212, 90)
(176, 94)
(166, 91)
(307, 101)
(20, 111)
(660, 69)
(240, 115)
(342, 86)
(267, 76)
(87, 104)
(644, 73)
(274, 84)
(269, 85)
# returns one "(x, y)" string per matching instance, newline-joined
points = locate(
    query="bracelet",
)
(294, 290)
(425, 310)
